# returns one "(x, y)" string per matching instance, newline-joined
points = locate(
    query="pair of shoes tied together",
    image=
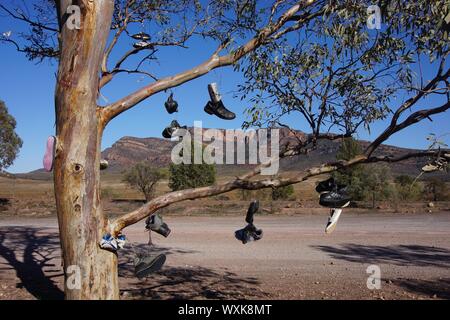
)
(250, 232)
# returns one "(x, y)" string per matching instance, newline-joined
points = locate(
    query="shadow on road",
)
(194, 282)
(439, 288)
(401, 255)
(28, 252)
(34, 255)
(189, 282)
(127, 255)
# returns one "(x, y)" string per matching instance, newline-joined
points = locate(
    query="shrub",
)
(282, 193)
(143, 177)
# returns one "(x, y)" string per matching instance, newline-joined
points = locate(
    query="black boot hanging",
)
(174, 126)
(215, 105)
(171, 105)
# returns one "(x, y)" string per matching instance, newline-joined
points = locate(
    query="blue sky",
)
(28, 91)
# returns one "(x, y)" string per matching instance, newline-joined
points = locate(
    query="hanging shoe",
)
(103, 164)
(215, 105)
(49, 156)
(329, 185)
(213, 91)
(334, 199)
(430, 168)
(333, 220)
(440, 164)
(326, 185)
(171, 105)
(248, 234)
(174, 126)
(156, 224)
(141, 44)
(252, 209)
(109, 243)
(219, 110)
(141, 36)
(121, 240)
(145, 265)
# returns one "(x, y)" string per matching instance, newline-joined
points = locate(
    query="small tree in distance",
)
(437, 189)
(376, 182)
(364, 182)
(10, 142)
(352, 176)
(282, 193)
(407, 188)
(185, 176)
(143, 177)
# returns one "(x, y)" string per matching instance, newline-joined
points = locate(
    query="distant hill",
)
(129, 150)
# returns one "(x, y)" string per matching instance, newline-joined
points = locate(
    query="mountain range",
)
(129, 150)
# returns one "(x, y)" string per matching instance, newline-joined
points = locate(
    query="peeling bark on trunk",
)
(76, 172)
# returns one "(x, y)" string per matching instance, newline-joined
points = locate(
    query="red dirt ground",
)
(294, 260)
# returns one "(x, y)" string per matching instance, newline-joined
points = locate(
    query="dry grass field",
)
(35, 197)
(294, 260)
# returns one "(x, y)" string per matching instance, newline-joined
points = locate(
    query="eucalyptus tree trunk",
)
(76, 172)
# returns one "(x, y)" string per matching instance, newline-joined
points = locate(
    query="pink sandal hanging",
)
(49, 156)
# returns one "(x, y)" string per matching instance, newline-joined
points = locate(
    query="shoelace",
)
(335, 194)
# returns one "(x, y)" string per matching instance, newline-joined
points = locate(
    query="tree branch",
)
(415, 117)
(215, 61)
(24, 18)
(108, 76)
(42, 52)
(111, 46)
(239, 183)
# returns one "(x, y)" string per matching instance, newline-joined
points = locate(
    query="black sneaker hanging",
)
(329, 185)
(141, 45)
(250, 232)
(335, 199)
(332, 194)
(141, 36)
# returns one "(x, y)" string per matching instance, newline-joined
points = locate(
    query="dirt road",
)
(294, 260)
